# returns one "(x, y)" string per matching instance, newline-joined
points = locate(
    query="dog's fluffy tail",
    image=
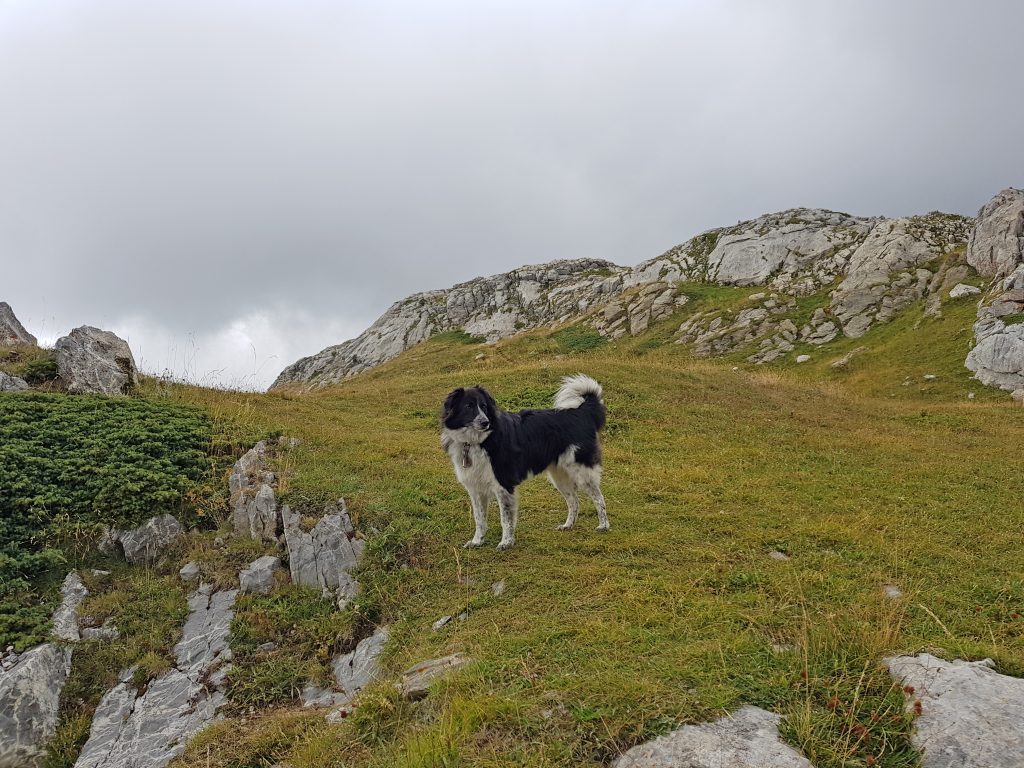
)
(579, 390)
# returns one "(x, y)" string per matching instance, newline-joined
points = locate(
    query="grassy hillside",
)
(865, 476)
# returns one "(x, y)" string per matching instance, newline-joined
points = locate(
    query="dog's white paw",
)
(472, 544)
(503, 545)
(565, 527)
(603, 527)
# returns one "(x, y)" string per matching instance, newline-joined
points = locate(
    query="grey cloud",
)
(183, 166)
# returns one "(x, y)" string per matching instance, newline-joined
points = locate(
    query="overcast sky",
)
(233, 185)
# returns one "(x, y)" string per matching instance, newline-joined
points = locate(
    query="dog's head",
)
(472, 408)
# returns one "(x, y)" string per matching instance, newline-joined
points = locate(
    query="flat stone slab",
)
(971, 716)
(748, 738)
(417, 679)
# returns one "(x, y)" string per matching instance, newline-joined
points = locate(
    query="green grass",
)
(578, 338)
(26, 361)
(678, 614)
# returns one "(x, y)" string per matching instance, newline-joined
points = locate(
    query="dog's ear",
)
(451, 402)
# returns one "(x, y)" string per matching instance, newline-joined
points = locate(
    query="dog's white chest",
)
(472, 465)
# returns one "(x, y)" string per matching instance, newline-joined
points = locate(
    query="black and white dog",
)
(494, 451)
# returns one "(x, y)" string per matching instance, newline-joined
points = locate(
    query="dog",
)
(493, 451)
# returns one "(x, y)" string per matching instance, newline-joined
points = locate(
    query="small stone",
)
(930, 377)
(266, 647)
(440, 623)
(189, 572)
(802, 358)
(416, 680)
(498, 588)
(776, 555)
(462, 616)
(892, 591)
(1018, 395)
(970, 395)
(963, 289)
(480, 356)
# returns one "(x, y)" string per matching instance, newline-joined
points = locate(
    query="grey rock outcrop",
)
(970, 714)
(149, 729)
(254, 509)
(416, 680)
(325, 555)
(748, 738)
(996, 250)
(30, 688)
(258, 578)
(29, 704)
(353, 671)
(90, 360)
(65, 618)
(12, 332)
(143, 544)
(490, 307)
(10, 383)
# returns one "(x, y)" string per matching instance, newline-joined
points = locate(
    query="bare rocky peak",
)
(12, 332)
(875, 267)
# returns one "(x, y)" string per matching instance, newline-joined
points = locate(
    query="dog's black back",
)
(528, 442)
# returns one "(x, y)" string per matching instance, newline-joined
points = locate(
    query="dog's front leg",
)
(508, 504)
(479, 500)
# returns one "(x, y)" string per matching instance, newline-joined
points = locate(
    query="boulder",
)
(323, 556)
(90, 360)
(145, 543)
(960, 290)
(190, 572)
(970, 715)
(12, 332)
(254, 510)
(416, 680)
(997, 241)
(10, 383)
(747, 738)
(258, 578)
(30, 704)
(151, 727)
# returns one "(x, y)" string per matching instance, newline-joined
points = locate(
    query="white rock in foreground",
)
(748, 738)
(149, 730)
(10, 383)
(971, 716)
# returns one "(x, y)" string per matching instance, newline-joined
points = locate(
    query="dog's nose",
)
(485, 424)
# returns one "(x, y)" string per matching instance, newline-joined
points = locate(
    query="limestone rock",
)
(997, 241)
(803, 358)
(355, 670)
(151, 728)
(65, 618)
(189, 572)
(145, 543)
(960, 290)
(970, 714)
(844, 361)
(90, 360)
(258, 578)
(29, 704)
(416, 680)
(323, 556)
(253, 504)
(748, 738)
(12, 332)
(10, 383)
(490, 307)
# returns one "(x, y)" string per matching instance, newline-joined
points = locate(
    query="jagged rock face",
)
(491, 307)
(29, 704)
(324, 556)
(878, 268)
(800, 242)
(145, 543)
(996, 249)
(10, 383)
(353, 671)
(130, 730)
(748, 738)
(970, 714)
(12, 332)
(253, 504)
(90, 360)
(30, 688)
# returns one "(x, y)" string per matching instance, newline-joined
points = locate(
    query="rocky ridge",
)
(867, 270)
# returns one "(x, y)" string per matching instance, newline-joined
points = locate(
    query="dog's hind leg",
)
(508, 504)
(480, 500)
(567, 487)
(589, 479)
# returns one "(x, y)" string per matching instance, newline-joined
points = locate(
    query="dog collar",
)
(466, 460)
